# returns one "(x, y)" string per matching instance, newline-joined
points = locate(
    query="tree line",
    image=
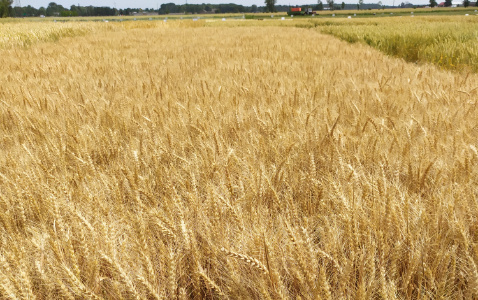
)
(54, 9)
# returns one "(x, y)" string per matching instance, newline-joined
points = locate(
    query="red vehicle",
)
(297, 11)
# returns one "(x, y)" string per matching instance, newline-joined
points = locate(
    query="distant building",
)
(456, 3)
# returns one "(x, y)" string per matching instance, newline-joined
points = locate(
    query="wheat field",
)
(180, 161)
(447, 41)
(24, 34)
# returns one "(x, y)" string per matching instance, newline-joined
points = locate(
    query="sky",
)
(155, 3)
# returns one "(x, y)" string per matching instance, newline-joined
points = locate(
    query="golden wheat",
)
(190, 160)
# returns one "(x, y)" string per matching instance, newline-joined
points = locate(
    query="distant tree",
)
(230, 8)
(360, 3)
(331, 4)
(17, 11)
(52, 6)
(75, 10)
(42, 11)
(320, 5)
(254, 8)
(466, 3)
(54, 9)
(30, 11)
(343, 5)
(270, 5)
(447, 3)
(5, 8)
(166, 8)
(433, 3)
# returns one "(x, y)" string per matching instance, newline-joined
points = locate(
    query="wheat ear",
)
(121, 273)
(249, 260)
(211, 284)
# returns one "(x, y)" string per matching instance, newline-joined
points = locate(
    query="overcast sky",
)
(154, 4)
